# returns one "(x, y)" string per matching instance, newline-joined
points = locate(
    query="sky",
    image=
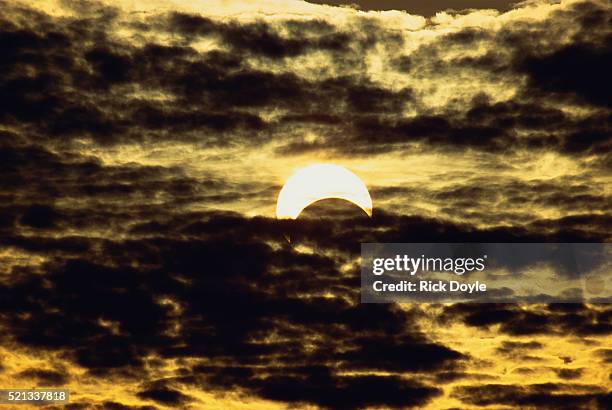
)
(143, 145)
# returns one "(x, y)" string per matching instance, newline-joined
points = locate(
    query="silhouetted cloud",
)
(45, 377)
(164, 395)
(546, 396)
(574, 319)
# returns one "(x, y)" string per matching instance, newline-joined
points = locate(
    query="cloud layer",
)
(141, 150)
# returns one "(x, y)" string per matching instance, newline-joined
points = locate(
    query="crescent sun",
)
(321, 181)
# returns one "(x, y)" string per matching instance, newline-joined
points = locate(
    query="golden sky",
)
(142, 148)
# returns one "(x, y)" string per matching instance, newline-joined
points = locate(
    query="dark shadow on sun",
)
(332, 208)
(323, 219)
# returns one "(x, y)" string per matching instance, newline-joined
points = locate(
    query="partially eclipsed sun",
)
(321, 181)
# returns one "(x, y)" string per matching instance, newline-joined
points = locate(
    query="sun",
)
(321, 181)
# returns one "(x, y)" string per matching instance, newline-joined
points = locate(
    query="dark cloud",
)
(434, 130)
(107, 405)
(467, 36)
(470, 200)
(414, 7)
(399, 355)
(545, 396)
(569, 374)
(164, 395)
(111, 67)
(605, 354)
(574, 319)
(511, 348)
(579, 69)
(57, 99)
(79, 87)
(261, 38)
(35, 179)
(118, 406)
(349, 392)
(318, 385)
(45, 378)
(79, 91)
(484, 126)
(40, 216)
(116, 318)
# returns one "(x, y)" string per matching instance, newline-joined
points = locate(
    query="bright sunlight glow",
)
(321, 181)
